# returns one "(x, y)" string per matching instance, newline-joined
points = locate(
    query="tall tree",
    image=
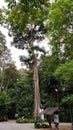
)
(27, 26)
(5, 57)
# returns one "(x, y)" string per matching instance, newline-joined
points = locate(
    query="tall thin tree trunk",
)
(36, 82)
(36, 90)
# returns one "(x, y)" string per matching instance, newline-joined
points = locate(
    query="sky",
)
(15, 52)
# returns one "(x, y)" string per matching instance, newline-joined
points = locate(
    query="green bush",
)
(45, 126)
(31, 120)
(24, 120)
(40, 125)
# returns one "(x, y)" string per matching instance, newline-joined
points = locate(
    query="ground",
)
(12, 125)
(62, 126)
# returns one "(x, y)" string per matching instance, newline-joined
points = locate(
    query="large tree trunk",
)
(36, 90)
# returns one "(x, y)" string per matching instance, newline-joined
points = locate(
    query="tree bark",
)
(36, 90)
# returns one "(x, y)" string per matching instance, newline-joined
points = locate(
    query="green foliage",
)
(66, 105)
(24, 120)
(48, 82)
(66, 101)
(41, 125)
(2, 44)
(31, 12)
(60, 25)
(5, 102)
(29, 28)
(4, 99)
(24, 104)
(1, 17)
(5, 59)
(8, 74)
(21, 93)
(64, 72)
(11, 74)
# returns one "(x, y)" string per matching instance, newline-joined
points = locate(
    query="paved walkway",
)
(12, 125)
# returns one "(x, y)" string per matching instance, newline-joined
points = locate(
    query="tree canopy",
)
(60, 25)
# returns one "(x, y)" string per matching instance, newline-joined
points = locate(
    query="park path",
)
(12, 125)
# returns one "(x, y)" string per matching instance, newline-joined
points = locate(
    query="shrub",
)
(24, 120)
(38, 125)
(41, 125)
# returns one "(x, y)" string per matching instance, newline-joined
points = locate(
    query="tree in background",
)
(11, 75)
(5, 58)
(21, 94)
(60, 25)
(25, 100)
(48, 82)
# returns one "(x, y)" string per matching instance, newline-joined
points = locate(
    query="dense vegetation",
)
(54, 70)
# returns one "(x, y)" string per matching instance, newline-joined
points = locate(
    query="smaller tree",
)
(11, 75)
(24, 89)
